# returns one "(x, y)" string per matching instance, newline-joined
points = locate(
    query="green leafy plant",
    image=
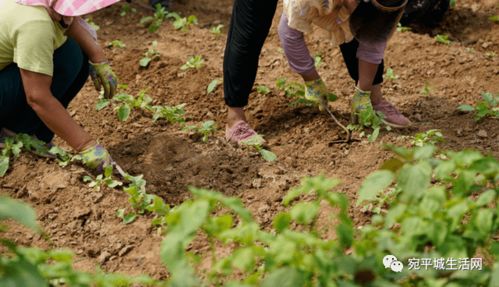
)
(262, 90)
(431, 137)
(26, 266)
(494, 18)
(212, 86)
(257, 143)
(150, 55)
(217, 30)
(154, 22)
(488, 107)
(402, 29)
(390, 75)
(14, 145)
(125, 103)
(296, 92)
(438, 208)
(318, 60)
(194, 62)
(204, 130)
(442, 39)
(182, 23)
(368, 119)
(115, 44)
(426, 90)
(105, 179)
(127, 9)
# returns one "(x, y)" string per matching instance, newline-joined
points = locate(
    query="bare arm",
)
(50, 110)
(86, 42)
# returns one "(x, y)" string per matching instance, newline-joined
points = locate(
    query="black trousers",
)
(70, 74)
(249, 27)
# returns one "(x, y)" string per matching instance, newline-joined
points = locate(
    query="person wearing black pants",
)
(250, 24)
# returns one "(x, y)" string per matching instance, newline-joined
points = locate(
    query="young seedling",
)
(494, 19)
(442, 39)
(150, 55)
(194, 62)
(126, 103)
(390, 75)
(490, 55)
(105, 179)
(318, 60)
(257, 142)
(203, 130)
(153, 23)
(488, 107)
(402, 29)
(217, 30)
(182, 23)
(429, 137)
(262, 90)
(368, 118)
(115, 44)
(212, 86)
(172, 114)
(426, 90)
(127, 9)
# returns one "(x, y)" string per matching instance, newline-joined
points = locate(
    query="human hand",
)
(317, 92)
(96, 157)
(103, 77)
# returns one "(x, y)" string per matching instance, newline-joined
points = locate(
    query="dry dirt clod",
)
(483, 134)
(125, 250)
(103, 257)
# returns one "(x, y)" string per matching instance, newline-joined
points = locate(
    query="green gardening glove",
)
(96, 158)
(103, 77)
(317, 92)
(362, 109)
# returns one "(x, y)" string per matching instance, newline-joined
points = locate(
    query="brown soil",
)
(77, 217)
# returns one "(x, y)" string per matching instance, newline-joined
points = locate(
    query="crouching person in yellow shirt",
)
(45, 48)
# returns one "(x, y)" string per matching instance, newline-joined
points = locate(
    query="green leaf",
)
(18, 211)
(414, 180)
(484, 221)
(466, 108)
(144, 62)
(21, 272)
(495, 275)
(101, 104)
(256, 140)
(374, 184)
(212, 86)
(4, 165)
(285, 277)
(124, 112)
(268, 155)
(126, 217)
(304, 212)
(495, 19)
(372, 137)
(486, 198)
(281, 221)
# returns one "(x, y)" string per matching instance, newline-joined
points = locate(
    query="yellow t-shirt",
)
(28, 37)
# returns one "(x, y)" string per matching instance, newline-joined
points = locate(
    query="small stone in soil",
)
(482, 134)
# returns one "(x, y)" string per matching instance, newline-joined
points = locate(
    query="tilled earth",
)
(78, 217)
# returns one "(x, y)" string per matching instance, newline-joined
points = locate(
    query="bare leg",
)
(235, 115)
(367, 72)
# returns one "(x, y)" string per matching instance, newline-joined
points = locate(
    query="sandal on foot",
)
(239, 132)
